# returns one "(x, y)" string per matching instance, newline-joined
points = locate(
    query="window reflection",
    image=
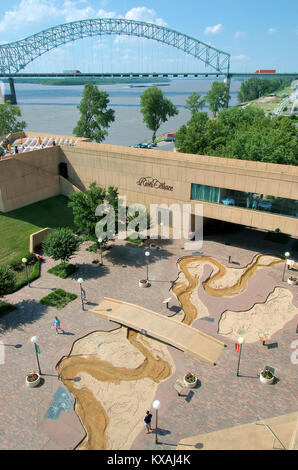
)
(247, 200)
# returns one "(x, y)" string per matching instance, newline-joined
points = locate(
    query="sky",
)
(258, 34)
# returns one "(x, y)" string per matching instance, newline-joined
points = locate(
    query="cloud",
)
(72, 13)
(239, 34)
(28, 12)
(144, 14)
(213, 29)
(239, 57)
(272, 31)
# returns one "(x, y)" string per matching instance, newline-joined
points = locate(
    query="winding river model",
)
(120, 370)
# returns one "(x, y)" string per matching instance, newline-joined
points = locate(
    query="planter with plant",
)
(153, 246)
(190, 380)
(32, 379)
(266, 376)
(292, 281)
(143, 283)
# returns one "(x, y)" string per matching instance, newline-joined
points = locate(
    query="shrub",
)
(61, 244)
(59, 298)
(7, 280)
(33, 273)
(16, 263)
(93, 248)
(295, 246)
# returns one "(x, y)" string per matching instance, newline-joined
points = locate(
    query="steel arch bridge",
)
(16, 55)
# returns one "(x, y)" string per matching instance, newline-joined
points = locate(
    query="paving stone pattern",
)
(221, 399)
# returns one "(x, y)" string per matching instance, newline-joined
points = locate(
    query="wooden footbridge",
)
(184, 337)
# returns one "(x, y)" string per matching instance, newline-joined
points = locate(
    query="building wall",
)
(28, 178)
(123, 167)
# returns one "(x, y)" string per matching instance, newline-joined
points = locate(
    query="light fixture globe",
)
(156, 404)
(240, 340)
(287, 254)
(24, 260)
(34, 339)
(147, 253)
(80, 280)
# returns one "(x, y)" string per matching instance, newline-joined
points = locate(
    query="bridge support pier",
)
(227, 82)
(12, 97)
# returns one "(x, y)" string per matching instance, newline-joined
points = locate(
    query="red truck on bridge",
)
(265, 71)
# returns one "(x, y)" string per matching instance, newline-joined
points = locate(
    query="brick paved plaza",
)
(221, 400)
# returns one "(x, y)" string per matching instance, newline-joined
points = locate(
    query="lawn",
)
(63, 270)
(59, 298)
(16, 226)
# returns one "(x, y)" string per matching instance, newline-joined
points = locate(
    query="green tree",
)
(84, 206)
(241, 133)
(194, 102)
(9, 122)
(95, 117)
(156, 109)
(193, 138)
(61, 244)
(255, 87)
(7, 281)
(218, 97)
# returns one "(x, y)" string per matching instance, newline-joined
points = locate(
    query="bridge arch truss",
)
(17, 55)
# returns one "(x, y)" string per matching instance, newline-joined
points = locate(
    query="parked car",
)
(265, 205)
(228, 201)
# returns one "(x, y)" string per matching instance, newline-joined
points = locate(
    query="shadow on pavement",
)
(26, 313)
(134, 256)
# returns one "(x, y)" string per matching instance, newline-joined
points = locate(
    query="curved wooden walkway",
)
(182, 336)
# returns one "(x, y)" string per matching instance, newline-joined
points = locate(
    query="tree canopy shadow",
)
(89, 272)
(26, 313)
(134, 256)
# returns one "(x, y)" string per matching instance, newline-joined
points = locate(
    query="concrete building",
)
(255, 194)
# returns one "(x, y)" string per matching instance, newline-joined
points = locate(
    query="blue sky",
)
(257, 33)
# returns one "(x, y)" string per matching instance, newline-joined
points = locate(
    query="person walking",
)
(147, 420)
(57, 325)
(83, 294)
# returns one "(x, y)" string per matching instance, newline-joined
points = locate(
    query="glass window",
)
(254, 201)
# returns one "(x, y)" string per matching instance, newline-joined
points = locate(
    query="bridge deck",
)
(184, 337)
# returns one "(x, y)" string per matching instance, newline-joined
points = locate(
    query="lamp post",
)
(156, 406)
(240, 342)
(287, 254)
(100, 249)
(24, 260)
(147, 253)
(80, 281)
(34, 340)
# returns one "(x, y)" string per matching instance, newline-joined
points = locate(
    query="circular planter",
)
(34, 383)
(143, 283)
(190, 384)
(292, 282)
(266, 381)
(153, 246)
(95, 265)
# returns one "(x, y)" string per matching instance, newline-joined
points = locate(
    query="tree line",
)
(255, 87)
(233, 133)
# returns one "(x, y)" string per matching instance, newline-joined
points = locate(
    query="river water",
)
(53, 109)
